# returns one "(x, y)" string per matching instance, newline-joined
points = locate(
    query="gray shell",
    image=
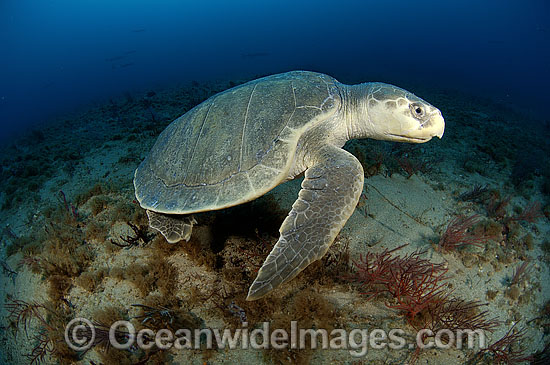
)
(235, 146)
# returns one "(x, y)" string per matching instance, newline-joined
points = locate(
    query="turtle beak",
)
(438, 124)
(434, 126)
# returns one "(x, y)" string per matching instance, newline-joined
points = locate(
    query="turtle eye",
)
(417, 110)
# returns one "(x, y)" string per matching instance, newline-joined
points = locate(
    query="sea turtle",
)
(241, 143)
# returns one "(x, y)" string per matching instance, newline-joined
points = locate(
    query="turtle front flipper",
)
(173, 227)
(329, 195)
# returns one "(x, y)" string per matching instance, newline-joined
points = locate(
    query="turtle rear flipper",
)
(330, 192)
(173, 227)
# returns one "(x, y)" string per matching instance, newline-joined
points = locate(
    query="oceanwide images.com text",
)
(81, 335)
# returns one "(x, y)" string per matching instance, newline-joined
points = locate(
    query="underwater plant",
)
(141, 237)
(458, 234)
(48, 338)
(152, 314)
(457, 313)
(7, 270)
(520, 273)
(474, 194)
(418, 286)
(454, 314)
(496, 207)
(31, 261)
(412, 281)
(530, 214)
(71, 209)
(410, 166)
(22, 312)
(506, 349)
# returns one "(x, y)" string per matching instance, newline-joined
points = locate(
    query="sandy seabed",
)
(68, 205)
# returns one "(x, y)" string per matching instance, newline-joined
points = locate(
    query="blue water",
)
(60, 55)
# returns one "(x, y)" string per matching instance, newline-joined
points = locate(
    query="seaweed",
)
(8, 271)
(49, 338)
(64, 255)
(506, 350)
(156, 273)
(99, 203)
(496, 207)
(530, 214)
(418, 288)
(242, 258)
(333, 268)
(454, 314)
(413, 282)
(97, 189)
(101, 336)
(19, 243)
(103, 320)
(96, 231)
(411, 166)
(541, 357)
(128, 211)
(22, 312)
(459, 234)
(155, 314)
(32, 261)
(59, 286)
(91, 281)
(475, 194)
(310, 310)
(166, 312)
(141, 237)
(376, 166)
(70, 209)
(457, 313)
(521, 273)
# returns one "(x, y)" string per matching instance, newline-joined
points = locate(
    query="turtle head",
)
(389, 113)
